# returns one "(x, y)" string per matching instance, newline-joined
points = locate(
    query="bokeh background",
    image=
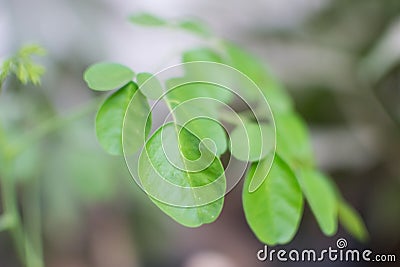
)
(337, 58)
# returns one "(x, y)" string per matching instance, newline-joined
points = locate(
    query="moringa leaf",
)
(260, 170)
(204, 128)
(251, 66)
(321, 196)
(195, 105)
(201, 54)
(292, 140)
(149, 85)
(146, 19)
(352, 221)
(107, 76)
(195, 27)
(274, 210)
(110, 120)
(188, 184)
(251, 141)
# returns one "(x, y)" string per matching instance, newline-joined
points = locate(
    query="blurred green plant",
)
(47, 175)
(272, 198)
(27, 241)
(23, 66)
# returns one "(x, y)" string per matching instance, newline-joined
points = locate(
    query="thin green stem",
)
(10, 207)
(28, 247)
(32, 225)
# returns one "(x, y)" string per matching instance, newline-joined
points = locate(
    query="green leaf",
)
(246, 63)
(110, 120)
(186, 182)
(107, 76)
(195, 27)
(199, 67)
(352, 221)
(201, 54)
(251, 66)
(196, 107)
(321, 196)
(251, 141)
(182, 89)
(274, 210)
(149, 85)
(146, 19)
(292, 140)
(260, 170)
(204, 128)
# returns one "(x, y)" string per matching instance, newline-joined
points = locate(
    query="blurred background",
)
(337, 58)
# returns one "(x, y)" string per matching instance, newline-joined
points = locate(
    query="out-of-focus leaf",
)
(274, 210)
(352, 221)
(149, 85)
(23, 66)
(204, 129)
(146, 19)
(259, 171)
(251, 66)
(195, 106)
(167, 172)
(251, 141)
(201, 54)
(181, 90)
(107, 76)
(110, 120)
(322, 199)
(292, 140)
(195, 27)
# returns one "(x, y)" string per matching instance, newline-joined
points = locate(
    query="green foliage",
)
(352, 221)
(293, 142)
(179, 166)
(274, 210)
(322, 199)
(14, 164)
(192, 26)
(110, 119)
(251, 141)
(184, 182)
(195, 27)
(107, 76)
(146, 19)
(149, 85)
(23, 66)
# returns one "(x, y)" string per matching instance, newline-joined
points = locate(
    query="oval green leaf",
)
(260, 170)
(191, 198)
(352, 221)
(107, 76)
(149, 85)
(204, 129)
(292, 140)
(277, 97)
(110, 120)
(251, 141)
(274, 210)
(322, 199)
